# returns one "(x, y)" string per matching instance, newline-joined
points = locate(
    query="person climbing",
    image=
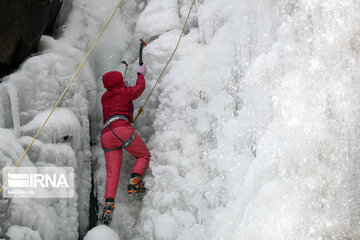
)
(118, 134)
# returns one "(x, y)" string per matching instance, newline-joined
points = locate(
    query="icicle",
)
(14, 101)
(2, 113)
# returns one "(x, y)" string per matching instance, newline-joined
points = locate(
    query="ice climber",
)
(118, 134)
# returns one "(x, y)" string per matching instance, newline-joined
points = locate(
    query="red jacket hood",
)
(113, 79)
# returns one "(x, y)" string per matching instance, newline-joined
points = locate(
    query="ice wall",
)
(255, 132)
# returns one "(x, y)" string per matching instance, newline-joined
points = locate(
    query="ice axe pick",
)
(142, 45)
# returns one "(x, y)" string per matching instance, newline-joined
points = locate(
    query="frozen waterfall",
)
(254, 130)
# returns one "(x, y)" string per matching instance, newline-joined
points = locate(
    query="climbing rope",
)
(141, 109)
(63, 94)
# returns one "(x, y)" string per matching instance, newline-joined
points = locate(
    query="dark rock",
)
(22, 23)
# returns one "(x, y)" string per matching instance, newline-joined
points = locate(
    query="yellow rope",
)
(63, 94)
(141, 109)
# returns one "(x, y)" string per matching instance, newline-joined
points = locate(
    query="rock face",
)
(22, 23)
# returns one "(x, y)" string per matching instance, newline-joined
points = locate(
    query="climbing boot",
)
(108, 213)
(136, 184)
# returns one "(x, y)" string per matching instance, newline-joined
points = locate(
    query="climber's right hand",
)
(142, 70)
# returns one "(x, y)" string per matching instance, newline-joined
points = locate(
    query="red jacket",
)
(118, 99)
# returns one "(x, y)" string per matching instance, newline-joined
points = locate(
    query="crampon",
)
(136, 186)
(107, 213)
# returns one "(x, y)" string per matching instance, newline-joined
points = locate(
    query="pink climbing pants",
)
(114, 157)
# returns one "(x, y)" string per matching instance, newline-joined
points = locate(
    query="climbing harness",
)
(126, 143)
(141, 109)
(63, 94)
(113, 118)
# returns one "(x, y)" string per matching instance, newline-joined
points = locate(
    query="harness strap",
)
(114, 118)
(115, 134)
(125, 144)
(128, 141)
(111, 149)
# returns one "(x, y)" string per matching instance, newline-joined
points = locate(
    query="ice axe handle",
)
(142, 45)
(124, 62)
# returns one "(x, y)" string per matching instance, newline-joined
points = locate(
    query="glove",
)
(142, 70)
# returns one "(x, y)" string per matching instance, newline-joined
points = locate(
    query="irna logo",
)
(42, 182)
(37, 180)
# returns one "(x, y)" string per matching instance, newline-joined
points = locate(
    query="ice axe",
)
(127, 66)
(142, 45)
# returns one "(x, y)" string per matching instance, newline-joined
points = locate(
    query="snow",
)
(253, 130)
(11, 150)
(101, 232)
(166, 227)
(22, 233)
(158, 17)
(63, 123)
